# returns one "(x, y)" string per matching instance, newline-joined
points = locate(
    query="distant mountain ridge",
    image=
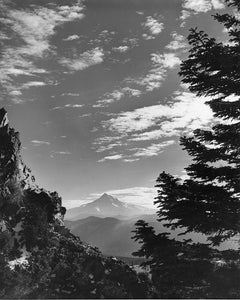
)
(107, 206)
(111, 235)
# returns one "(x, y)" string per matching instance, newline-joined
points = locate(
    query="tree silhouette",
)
(207, 201)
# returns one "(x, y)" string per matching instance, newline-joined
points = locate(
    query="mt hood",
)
(107, 206)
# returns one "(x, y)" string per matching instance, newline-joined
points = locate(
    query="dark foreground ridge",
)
(39, 257)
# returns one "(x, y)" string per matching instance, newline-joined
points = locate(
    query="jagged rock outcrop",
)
(39, 257)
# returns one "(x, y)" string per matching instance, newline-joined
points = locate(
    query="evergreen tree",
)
(208, 201)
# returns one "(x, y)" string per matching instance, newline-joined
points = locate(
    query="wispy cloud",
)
(178, 42)
(33, 83)
(70, 94)
(104, 37)
(39, 143)
(55, 153)
(154, 27)
(136, 154)
(85, 60)
(107, 143)
(116, 95)
(106, 147)
(188, 112)
(160, 64)
(158, 71)
(111, 157)
(68, 106)
(152, 150)
(199, 6)
(121, 49)
(37, 26)
(131, 42)
(204, 6)
(185, 14)
(85, 115)
(71, 38)
(15, 93)
(126, 131)
(74, 105)
(218, 4)
(32, 29)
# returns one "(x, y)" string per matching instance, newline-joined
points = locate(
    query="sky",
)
(93, 88)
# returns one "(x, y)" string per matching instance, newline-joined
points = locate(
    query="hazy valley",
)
(107, 223)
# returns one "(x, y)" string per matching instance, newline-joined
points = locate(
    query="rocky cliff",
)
(39, 257)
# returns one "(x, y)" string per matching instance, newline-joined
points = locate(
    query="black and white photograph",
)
(119, 149)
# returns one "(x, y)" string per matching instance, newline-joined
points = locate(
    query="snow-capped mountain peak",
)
(106, 206)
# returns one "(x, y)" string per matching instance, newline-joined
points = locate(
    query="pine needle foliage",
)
(208, 201)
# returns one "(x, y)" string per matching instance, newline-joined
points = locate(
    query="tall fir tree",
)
(208, 201)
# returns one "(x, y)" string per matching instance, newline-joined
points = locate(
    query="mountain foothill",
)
(108, 224)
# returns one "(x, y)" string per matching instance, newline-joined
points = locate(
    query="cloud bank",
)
(33, 29)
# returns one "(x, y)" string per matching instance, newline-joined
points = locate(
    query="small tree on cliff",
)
(208, 201)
